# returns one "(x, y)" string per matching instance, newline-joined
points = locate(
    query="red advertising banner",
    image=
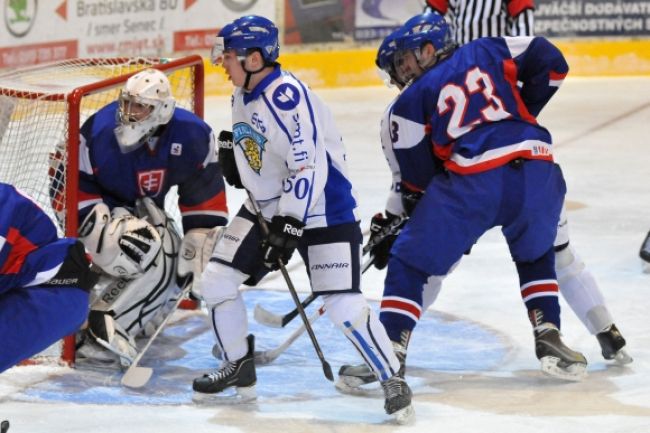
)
(198, 39)
(37, 53)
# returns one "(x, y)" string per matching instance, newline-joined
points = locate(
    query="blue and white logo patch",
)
(251, 143)
(286, 96)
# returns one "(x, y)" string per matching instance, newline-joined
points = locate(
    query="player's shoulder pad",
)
(287, 95)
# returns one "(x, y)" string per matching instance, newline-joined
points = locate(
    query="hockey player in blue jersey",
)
(44, 280)
(468, 145)
(132, 152)
(575, 283)
(288, 154)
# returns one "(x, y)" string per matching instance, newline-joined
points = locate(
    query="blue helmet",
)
(247, 33)
(427, 27)
(386, 55)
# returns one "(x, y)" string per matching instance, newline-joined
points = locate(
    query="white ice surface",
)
(471, 363)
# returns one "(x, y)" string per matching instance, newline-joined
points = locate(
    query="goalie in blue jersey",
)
(132, 152)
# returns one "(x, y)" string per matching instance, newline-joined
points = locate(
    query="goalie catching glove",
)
(227, 160)
(382, 237)
(284, 235)
(123, 246)
(196, 249)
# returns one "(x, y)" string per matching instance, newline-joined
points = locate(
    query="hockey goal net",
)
(41, 111)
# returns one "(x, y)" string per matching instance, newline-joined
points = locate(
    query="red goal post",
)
(42, 109)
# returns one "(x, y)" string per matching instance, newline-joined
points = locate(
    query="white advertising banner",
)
(377, 18)
(36, 31)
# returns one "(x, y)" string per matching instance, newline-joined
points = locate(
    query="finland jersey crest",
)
(252, 144)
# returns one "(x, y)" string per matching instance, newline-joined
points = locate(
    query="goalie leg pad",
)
(196, 249)
(136, 303)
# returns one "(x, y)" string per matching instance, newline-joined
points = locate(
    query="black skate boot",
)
(240, 374)
(612, 344)
(398, 399)
(556, 358)
(353, 376)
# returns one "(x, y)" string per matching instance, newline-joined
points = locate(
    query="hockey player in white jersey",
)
(289, 155)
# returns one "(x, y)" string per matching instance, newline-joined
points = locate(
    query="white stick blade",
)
(267, 318)
(136, 377)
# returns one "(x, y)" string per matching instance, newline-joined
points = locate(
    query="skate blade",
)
(240, 395)
(353, 387)
(405, 416)
(574, 372)
(622, 357)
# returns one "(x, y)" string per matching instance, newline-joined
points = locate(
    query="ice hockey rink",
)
(471, 361)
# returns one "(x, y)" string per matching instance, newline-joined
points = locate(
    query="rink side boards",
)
(356, 67)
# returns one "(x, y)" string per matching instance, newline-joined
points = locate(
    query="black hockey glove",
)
(410, 199)
(382, 237)
(284, 234)
(227, 160)
(76, 270)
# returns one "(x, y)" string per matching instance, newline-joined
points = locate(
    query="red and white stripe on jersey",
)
(214, 206)
(528, 149)
(538, 289)
(556, 79)
(19, 248)
(399, 305)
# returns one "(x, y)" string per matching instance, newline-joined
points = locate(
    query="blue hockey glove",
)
(227, 160)
(380, 241)
(284, 234)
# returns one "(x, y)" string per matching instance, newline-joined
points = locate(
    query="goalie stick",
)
(136, 376)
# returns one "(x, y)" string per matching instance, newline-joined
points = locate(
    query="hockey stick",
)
(268, 356)
(267, 318)
(272, 320)
(327, 370)
(136, 376)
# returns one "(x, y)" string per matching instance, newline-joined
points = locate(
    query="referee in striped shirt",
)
(471, 19)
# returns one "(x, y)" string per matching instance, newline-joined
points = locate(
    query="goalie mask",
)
(145, 103)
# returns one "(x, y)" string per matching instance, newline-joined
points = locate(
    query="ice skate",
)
(556, 358)
(398, 400)
(351, 377)
(612, 344)
(239, 374)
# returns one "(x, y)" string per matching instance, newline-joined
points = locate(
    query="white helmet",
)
(146, 102)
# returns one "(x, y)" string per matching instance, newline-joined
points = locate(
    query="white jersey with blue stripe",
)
(394, 201)
(289, 153)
